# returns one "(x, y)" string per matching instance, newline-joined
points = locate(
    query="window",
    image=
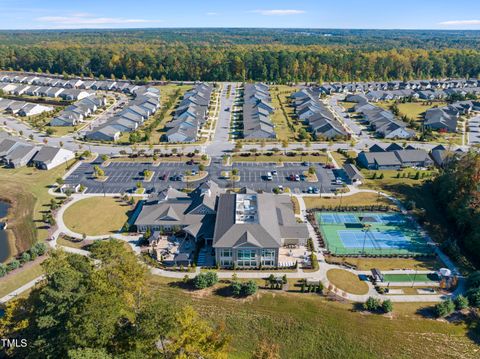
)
(268, 257)
(226, 263)
(227, 253)
(247, 258)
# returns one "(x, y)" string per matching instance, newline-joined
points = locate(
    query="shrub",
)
(25, 257)
(212, 278)
(249, 288)
(444, 308)
(236, 288)
(205, 280)
(473, 296)
(13, 265)
(473, 280)
(387, 306)
(461, 302)
(372, 304)
(3, 270)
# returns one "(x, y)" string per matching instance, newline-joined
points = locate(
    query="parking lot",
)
(124, 176)
(474, 133)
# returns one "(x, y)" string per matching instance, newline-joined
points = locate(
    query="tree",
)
(444, 308)
(249, 288)
(372, 304)
(236, 288)
(387, 306)
(194, 338)
(25, 257)
(460, 302)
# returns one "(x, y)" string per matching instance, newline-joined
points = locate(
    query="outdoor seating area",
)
(172, 251)
(290, 255)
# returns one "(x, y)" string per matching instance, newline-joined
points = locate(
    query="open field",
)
(27, 189)
(97, 215)
(413, 110)
(309, 326)
(359, 199)
(280, 94)
(347, 281)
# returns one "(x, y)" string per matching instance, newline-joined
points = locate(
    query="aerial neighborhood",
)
(308, 192)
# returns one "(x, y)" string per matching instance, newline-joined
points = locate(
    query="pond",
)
(4, 245)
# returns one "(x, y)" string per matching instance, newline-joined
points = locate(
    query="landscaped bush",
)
(205, 280)
(461, 302)
(444, 308)
(387, 306)
(372, 304)
(249, 288)
(236, 288)
(3, 270)
(25, 257)
(473, 296)
(13, 265)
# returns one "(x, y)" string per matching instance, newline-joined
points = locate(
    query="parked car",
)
(297, 178)
(274, 173)
(338, 180)
(291, 177)
(163, 177)
(305, 163)
(316, 190)
(269, 177)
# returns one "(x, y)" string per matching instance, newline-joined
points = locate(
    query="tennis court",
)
(371, 233)
(405, 278)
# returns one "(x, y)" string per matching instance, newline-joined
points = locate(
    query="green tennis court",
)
(371, 233)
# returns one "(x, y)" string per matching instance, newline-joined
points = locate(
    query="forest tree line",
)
(181, 61)
(457, 191)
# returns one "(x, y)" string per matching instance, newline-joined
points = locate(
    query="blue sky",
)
(378, 14)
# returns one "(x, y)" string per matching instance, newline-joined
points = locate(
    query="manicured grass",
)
(97, 216)
(27, 189)
(359, 199)
(387, 263)
(347, 281)
(410, 277)
(66, 243)
(22, 276)
(391, 177)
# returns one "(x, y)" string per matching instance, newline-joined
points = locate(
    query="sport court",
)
(371, 233)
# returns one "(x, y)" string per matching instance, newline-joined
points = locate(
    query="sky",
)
(366, 14)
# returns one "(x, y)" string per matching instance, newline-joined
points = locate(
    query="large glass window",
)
(246, 258)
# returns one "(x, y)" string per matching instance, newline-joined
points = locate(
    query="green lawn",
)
(309, 326)
(410, 277)
(347, 281)
(97, 216)
(388, 263)
(413, 110)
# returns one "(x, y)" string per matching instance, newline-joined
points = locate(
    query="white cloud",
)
(460, 22)
(87, 20)
(212, 13)
(279, 12)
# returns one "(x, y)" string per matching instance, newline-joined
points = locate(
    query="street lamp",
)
(366, 228)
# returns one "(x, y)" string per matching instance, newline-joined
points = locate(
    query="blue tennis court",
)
(375, 239)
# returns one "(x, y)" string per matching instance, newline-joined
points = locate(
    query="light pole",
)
(366, 228)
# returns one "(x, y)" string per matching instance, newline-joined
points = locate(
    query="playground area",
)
(371, 234)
